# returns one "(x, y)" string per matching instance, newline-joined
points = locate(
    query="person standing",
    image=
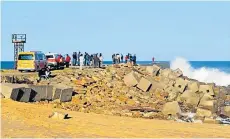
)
(78, 58)
(126, 58)
(91, 60)
(67, 60)
(81, 58)
(100, 60)
(74, 58)
(113, 58)
(122, 58)
(118, 58)
(134, 59)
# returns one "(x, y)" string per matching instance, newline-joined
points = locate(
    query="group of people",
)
(118, 58)
(94, 60)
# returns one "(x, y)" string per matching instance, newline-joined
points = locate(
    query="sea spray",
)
(204, 74)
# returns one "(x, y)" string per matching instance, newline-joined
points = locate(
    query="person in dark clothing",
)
(130, 58)
(78, 58)
(94, 60)
(134, 59)
(44, 73)
(121, 58)
(74, 58)
(85, 59)
(113, 58)
(91, 60)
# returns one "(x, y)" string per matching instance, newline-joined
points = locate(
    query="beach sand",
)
(31, 120)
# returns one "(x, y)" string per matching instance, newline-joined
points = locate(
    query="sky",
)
(196, 31)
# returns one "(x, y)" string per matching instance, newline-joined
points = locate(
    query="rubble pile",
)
(147, 92)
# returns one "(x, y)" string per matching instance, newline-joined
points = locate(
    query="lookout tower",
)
(18, 40)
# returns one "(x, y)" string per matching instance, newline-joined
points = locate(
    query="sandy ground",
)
(31, 120)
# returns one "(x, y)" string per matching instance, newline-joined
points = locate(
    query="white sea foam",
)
(204, 74)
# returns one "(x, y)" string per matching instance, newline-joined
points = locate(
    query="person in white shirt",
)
(100, 60)
(81, 61)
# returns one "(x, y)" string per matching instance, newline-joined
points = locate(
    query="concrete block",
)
(62, 92)
(203, 113)
(131, 79)
(181, 85)
(193, 86)
(26, 97)
(206, 89)
(38, 92)
(49, 92)
(153, 70)
(189, 97)
(178, 73)
(12, 91)
(165, 72)
(171, 108)
(172, 93)
(57, 94)
(144, 84)
(208, 102)
(66, 95)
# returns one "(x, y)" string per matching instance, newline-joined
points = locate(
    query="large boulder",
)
(171, 108)
(144, 84)
(131, 79)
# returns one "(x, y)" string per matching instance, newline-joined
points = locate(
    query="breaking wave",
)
(204, 74)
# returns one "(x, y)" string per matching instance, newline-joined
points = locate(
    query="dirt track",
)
(31, 120)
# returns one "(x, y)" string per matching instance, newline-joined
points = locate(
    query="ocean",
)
(220, 65)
